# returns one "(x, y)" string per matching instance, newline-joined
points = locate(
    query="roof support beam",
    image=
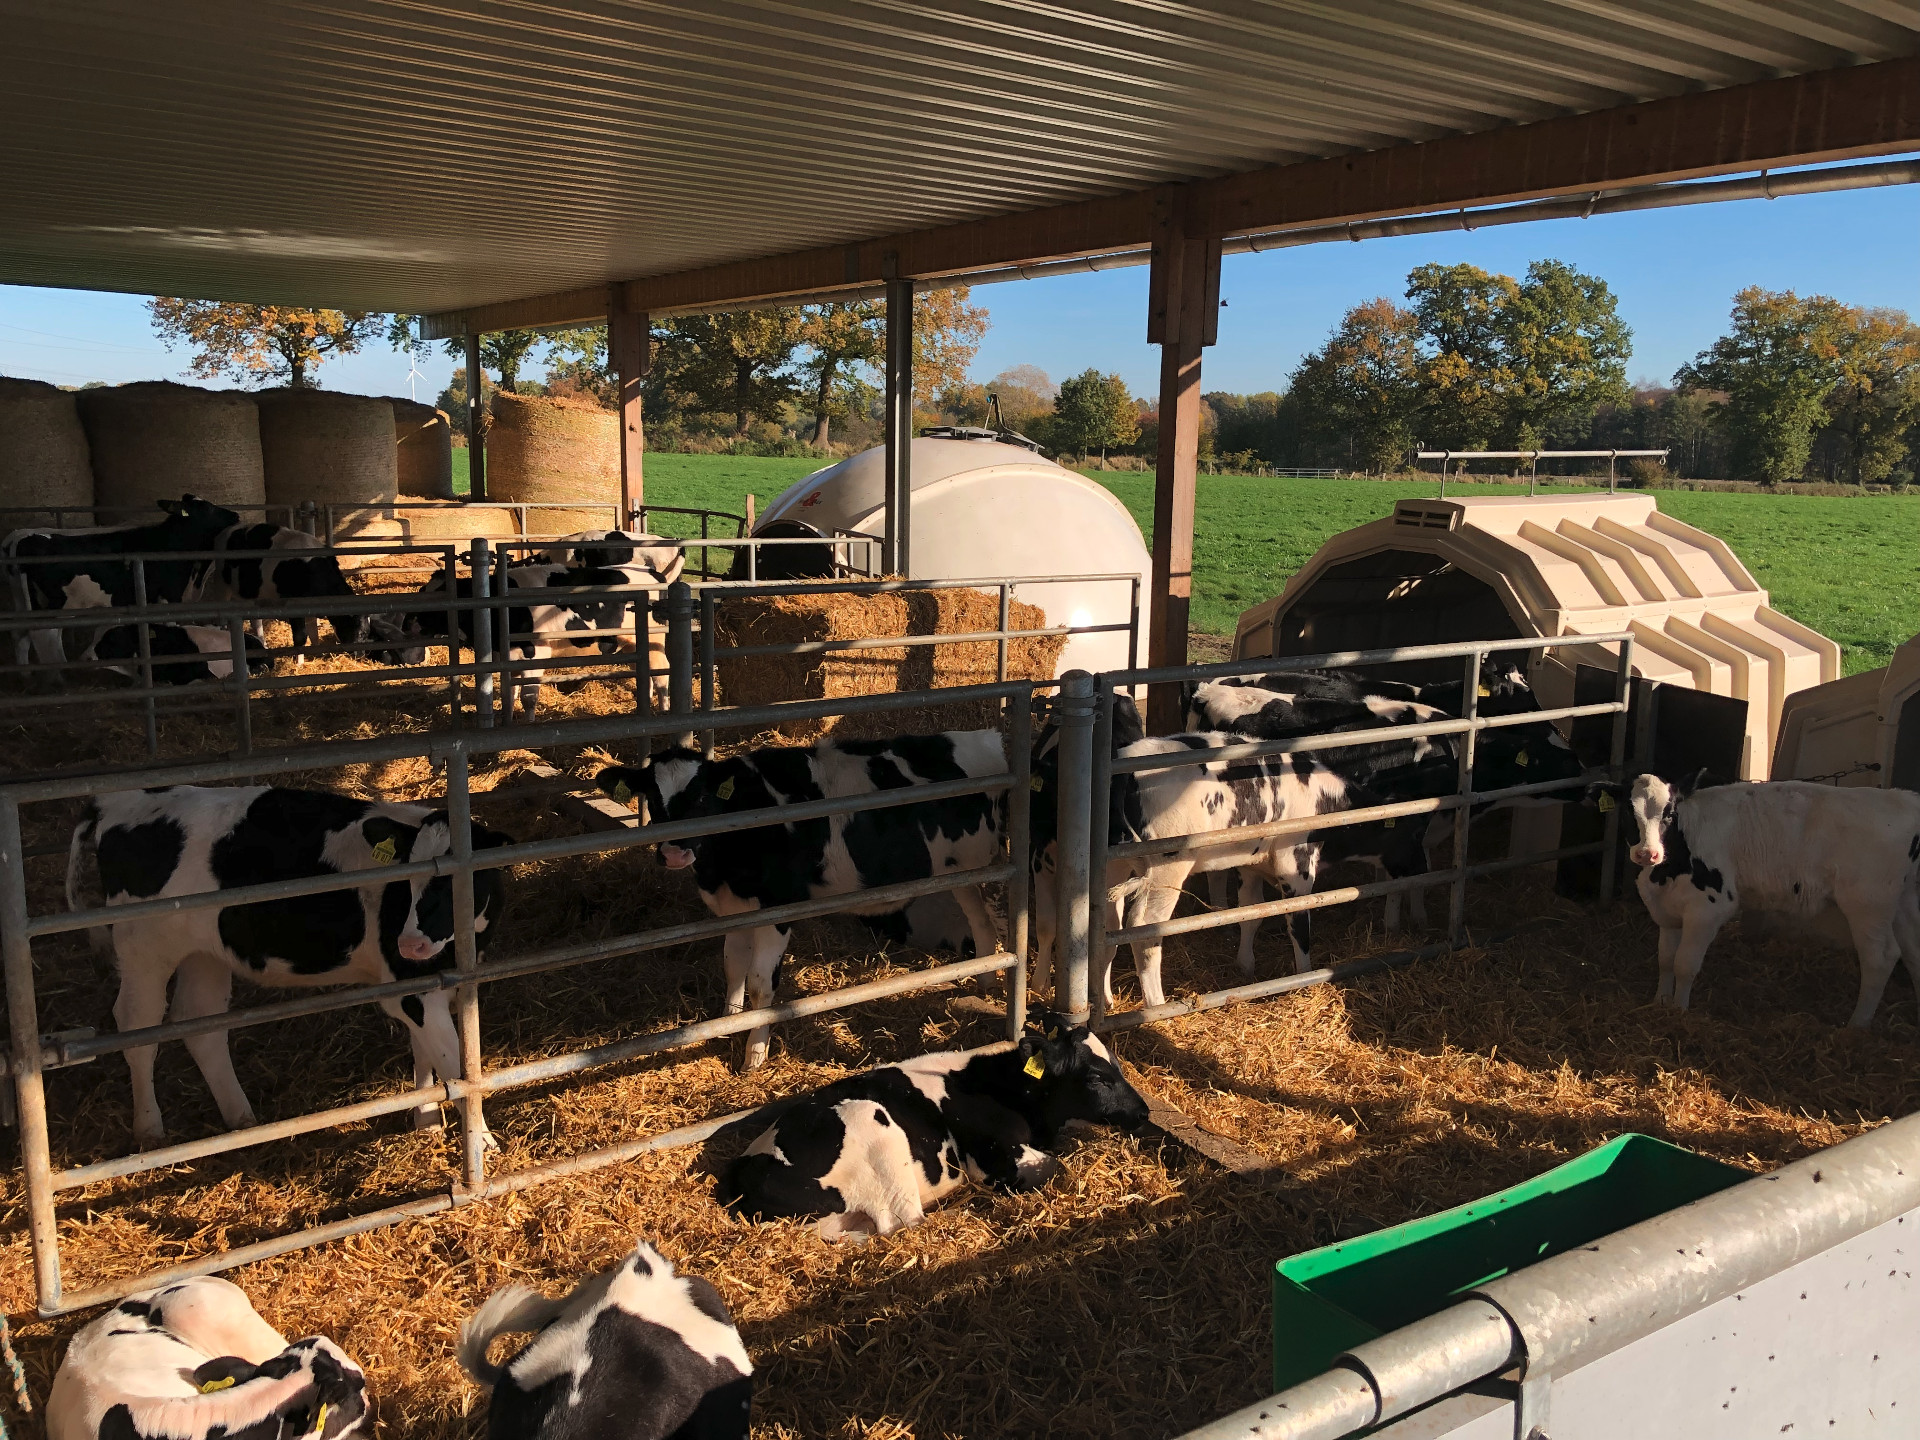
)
(1828, 115)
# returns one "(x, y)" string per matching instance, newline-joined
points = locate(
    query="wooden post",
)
(1183, 307)
(476, 424)
(897, 549)
(629, 349)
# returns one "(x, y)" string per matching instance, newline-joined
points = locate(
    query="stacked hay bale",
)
(544, 450)
(335, 450)
(423, 442)
(43, 453)
(784, 619)
(156, 440)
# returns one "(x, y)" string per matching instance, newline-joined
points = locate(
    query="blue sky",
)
(1674, 271)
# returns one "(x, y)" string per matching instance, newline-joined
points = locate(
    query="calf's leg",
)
(1158, 897)
(1669, 947)
(142, 1001)
(436, 1048)
(986, 934)
(1045, 898)
(1879, 951)
(764, 948)
(1695, 936)
(203, 985)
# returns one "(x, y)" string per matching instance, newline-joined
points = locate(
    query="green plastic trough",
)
(1327, 1301)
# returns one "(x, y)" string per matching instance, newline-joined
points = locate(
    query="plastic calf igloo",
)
(1496, 567)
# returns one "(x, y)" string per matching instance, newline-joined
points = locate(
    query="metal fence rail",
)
(33, 1054)
(1086, 721)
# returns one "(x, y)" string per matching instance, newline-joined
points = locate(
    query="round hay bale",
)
(43, 453)
(423, 437)
(549, 451)
(328, 448)
(155, 440)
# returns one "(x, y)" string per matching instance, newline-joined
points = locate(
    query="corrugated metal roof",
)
(423, 156)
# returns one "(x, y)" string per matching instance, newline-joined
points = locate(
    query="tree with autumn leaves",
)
(260, 344)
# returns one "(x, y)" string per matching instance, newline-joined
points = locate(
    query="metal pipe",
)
(1006, 597)
(1268, 909)
(1019, 856)
(894, 642)
(1099, 822)
(237, 677)
(707, 669)
(1616, 772)
(144, 634)
(480, 567)
(29, 1091)
(680, 651)
(1463, 813)
(897, 494)
(466, 960)
(1346, 659)
(1073, 714)
(1337, 1403)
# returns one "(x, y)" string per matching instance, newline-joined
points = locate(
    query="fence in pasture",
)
(1533, 459)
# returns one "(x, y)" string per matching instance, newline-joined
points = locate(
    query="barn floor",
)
(1129, 1299)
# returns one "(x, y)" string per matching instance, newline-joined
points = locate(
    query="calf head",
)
(416, 915)
(199, 517)
(1522, 755)
(331, 1403)
(678, 784)
(400, 634)
(1075, 1078)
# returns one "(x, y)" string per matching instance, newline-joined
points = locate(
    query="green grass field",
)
(1848, 566)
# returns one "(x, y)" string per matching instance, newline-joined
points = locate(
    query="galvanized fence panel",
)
(1087, 940)
(33, 1054)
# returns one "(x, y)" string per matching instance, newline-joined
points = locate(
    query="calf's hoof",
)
(149, 1138)
(428, 1117)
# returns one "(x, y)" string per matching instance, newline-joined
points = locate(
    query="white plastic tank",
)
(987, 509)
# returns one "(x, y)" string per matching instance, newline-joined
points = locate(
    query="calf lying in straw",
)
(635, 1353)
(1791, 848)
(870, 1154)
(194, 1361)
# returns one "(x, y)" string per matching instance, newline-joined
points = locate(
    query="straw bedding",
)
(786, 619)
(1127, 1299)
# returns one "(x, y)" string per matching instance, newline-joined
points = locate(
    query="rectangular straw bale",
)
(786, 619)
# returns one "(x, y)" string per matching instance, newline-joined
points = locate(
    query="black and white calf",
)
(271, 564)
(663, 560)
(557, 625)
(189, 840)
(46, 569)
(194, 1361)
(870, 1154)
(181, 654)
(636, 1353)
(746, 870)
(1792, 848)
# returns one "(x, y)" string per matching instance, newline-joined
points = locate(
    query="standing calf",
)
(1791, 847)
(194, 1361)
(188, 840)
(637, 1353)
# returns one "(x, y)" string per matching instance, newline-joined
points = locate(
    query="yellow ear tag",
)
(1521, 759)
(1606, 802)
(320, 1422)
(1389, 824)
(383, 853)
(1035, 1066)
(725, 788)
(623, 792)
(1037, 784)
(225, 1382)
(1485, 693)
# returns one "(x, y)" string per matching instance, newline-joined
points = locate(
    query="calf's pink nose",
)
(417, 947)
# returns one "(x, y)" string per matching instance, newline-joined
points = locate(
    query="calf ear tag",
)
(1485, 693)
(383, 853)
(1035, 1066)
(225, 1382)
(1387, 823)
(1606, 802)
(1037, 784)
(1521, 759)
(725, 788)
(623, 792)
(320, 1421)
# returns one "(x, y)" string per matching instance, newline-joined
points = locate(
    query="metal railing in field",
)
(34, 1053)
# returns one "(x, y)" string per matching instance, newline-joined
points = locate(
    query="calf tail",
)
(81, 850)
(511, 1310)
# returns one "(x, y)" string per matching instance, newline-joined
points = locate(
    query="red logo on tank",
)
(810, 501)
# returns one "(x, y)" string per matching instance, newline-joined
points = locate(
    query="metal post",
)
(1616, 771)
(237, 678)
(453, 643)
(1445, 461)
(1533, 477)
(1133, 625)
(1462, 818)
(30, 1099)
(502, 627)
(1074, 713)
(1019, 851)
(480, 567)
(680, 648)
(897, 559)
(1613, 457)
(1005, 607)
(466, 959)
(1099, 802)
(476, 430)
(706, 668)
(145, 636)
